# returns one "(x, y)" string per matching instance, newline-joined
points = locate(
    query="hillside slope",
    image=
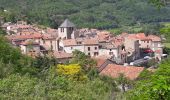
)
(102, 14)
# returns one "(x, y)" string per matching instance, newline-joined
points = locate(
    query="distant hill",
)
(102, 14)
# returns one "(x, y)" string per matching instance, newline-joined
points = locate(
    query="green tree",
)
(83, 60)
(159, 3)
(155, 87)
(2, 32)
(123, 81)
(8, 54)
(44, 62)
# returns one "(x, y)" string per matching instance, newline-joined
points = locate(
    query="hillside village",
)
(123, 53)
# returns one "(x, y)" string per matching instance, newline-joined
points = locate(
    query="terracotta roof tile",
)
(47, 37)
(154, 38)
(32, 36)
(114, 71)
(61, 55)
(92, 41)
(80, 41)
(69, 42)
(139, 36)
(29, 42)
(99, 61)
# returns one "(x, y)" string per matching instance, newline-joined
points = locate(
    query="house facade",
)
(30, 46)
(88, 46)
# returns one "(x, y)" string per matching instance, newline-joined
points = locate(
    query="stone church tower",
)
(66, 30)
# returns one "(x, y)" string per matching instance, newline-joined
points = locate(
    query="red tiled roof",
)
(74, 42)
(47, 37)
(32, 36)
(140, 36)
(99, 61)
(103, 35)
(114, 71)
(122, 36)
(154, 38)
(69, 42)
(117, 42)
(29, 42)
(61, 55)
(90, 41)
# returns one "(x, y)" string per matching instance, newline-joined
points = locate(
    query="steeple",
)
(67, 24)
(66, 29)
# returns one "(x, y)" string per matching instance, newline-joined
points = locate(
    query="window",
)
(110, 53)
(148, 41)
(62, 29)
(88, 48)
(100, 46)
(79, 42)
(123, 47)
(71, 48)
(89, 54)
(95, 48)
(96, 53)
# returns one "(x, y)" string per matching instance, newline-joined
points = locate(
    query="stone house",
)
(132, 48)
(156, 46)
(151, 42)
(49, 42)
(30, 46)
(143, 40)
(88, 46)
(109, 50)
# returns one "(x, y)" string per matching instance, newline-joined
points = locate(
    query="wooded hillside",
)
(103, 14)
